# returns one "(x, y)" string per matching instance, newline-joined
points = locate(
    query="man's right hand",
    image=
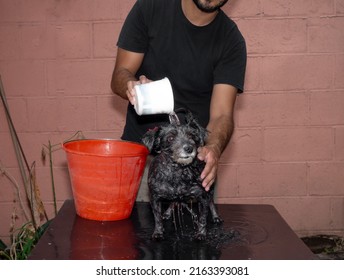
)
(131, 90)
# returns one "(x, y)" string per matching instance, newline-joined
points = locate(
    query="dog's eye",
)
(170, 138)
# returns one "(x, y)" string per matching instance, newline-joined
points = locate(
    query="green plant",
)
(24, 238)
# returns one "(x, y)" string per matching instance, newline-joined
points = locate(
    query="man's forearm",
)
(220, 132)
(119, 82)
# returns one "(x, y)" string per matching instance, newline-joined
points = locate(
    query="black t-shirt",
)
(193, 58)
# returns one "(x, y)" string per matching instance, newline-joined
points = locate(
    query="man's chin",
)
(207, 8)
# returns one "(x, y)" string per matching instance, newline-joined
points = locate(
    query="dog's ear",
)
(193, 123)
(151, 140)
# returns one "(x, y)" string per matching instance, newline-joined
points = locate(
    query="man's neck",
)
(195, 15)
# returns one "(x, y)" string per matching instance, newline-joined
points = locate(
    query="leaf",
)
(43, 155)
(37, 203)
(3, 246)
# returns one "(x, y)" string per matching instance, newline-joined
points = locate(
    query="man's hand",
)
(220, 128)
(211, 156)
(131, 91)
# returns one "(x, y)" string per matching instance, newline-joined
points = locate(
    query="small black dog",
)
(174, 174)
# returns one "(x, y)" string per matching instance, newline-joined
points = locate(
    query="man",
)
(200, 50)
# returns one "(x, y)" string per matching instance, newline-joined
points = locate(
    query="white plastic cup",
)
(154, 98)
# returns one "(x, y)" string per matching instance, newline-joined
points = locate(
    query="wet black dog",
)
(174, 174)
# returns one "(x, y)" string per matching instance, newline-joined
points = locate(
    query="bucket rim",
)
(144, 151)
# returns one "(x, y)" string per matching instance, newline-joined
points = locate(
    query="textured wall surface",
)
(56, 61)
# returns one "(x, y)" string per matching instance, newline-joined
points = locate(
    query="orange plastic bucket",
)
(105, 177)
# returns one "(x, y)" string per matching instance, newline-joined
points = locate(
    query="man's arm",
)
(220, 127)
(123, 76)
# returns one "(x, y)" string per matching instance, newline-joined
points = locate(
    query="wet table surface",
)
(248, 232)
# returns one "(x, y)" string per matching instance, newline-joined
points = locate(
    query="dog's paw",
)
(158, 236)
(166, 216)
(200, 236)
(168, 213)
(217, 220)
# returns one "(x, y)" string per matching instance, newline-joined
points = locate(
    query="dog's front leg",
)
(202, 220)
(158, 233)
(215, 216)
(169, 211)
(213, 211)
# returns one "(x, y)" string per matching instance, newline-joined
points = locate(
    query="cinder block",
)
(337, 213)
(240, 9)
(62, 183)
(113, 134)
(7, 152)
(83, 10)
(10, 41)
(340, 7)
(3, 121)
(296, 7)
(106, 10)
(246, 145)
(73, 40)
(226, 184)
(9, 11)
(326, 178)
(250, 29)
(87, 77)
(273, 109)
(339, 143)
(9, 190)
(338, 72)
(326, 108)
(38, 41)
(23, 78)
(44, 114)
(298, 144)
(10, 182)
(8, 210)
(125, 7)
(306, 213)
(253, 74)
(105, 45)
(272, 180)
(283, 36)
(62, 114)
(18, 111)
(111, 112)
(33, 11)
(297, 72)
(241, 200)
(33, 144)
(327, 35)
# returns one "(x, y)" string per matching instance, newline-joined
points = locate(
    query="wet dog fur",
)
(174, 174)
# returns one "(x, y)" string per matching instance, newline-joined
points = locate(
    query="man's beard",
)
(209, 9)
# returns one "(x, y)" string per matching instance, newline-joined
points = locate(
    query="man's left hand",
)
(211, 158)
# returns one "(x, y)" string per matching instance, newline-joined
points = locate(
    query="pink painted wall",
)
(56, 61)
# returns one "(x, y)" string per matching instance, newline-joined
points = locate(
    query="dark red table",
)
(248, 232)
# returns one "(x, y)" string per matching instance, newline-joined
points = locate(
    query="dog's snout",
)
(188, 148)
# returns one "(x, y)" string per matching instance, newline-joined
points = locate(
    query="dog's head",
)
(179, 141)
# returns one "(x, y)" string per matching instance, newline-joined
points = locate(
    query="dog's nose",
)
(188, 148)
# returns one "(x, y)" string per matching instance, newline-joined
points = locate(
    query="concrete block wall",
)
(56, 61)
